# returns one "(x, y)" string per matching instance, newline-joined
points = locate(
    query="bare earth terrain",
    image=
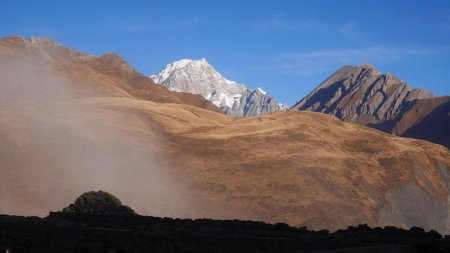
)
(70, 123)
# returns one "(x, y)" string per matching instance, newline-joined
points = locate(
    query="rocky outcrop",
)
(364, 96)
(98, 203)
(199, 77)
(253, 103)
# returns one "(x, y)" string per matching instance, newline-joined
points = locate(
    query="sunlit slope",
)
(70, 128)
(308, 169)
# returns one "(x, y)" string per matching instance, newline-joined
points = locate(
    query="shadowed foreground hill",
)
(109, 229)
(69, 132)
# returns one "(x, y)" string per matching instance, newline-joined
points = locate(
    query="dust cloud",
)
(56, 142)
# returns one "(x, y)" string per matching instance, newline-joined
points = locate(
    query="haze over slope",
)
(56, 143)
(364, 96)
(69, 128)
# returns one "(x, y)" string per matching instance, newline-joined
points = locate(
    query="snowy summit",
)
(199, 77)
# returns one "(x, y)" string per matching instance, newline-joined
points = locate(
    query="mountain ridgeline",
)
(199, 77)
(71, 122)
(364, 96)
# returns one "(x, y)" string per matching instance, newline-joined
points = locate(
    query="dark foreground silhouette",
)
(98, 222)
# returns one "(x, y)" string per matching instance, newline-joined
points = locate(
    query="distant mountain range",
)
(199, 77)
(362, 95)
(357, 94)
(71, 122)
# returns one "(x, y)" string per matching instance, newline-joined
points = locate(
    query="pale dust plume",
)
(56, 144)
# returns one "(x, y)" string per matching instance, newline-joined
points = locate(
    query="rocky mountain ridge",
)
(128, 82)
(362, 95)
(98, 203)
(199, 77)
(104, 126)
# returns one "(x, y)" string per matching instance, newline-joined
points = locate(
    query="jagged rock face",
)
(253, 103)
(362, 95)
(199, 77)
(98, 203)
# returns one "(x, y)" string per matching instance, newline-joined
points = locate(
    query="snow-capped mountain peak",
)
(199, 77)
(169, 68)
(262, 91)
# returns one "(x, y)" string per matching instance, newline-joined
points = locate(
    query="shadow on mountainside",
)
(435, 127)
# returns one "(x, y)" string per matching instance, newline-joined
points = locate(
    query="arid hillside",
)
(106, 74)
(70, 128)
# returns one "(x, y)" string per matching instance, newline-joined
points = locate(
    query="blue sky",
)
(285, 47)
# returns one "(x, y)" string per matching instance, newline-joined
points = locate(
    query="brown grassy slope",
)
(299, 167)
(173, 159)
(109, 72)
(311, 169)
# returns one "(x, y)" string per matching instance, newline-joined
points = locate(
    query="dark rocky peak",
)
(98, 203)
(362, 95)
(368, 67)
(341, 74)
